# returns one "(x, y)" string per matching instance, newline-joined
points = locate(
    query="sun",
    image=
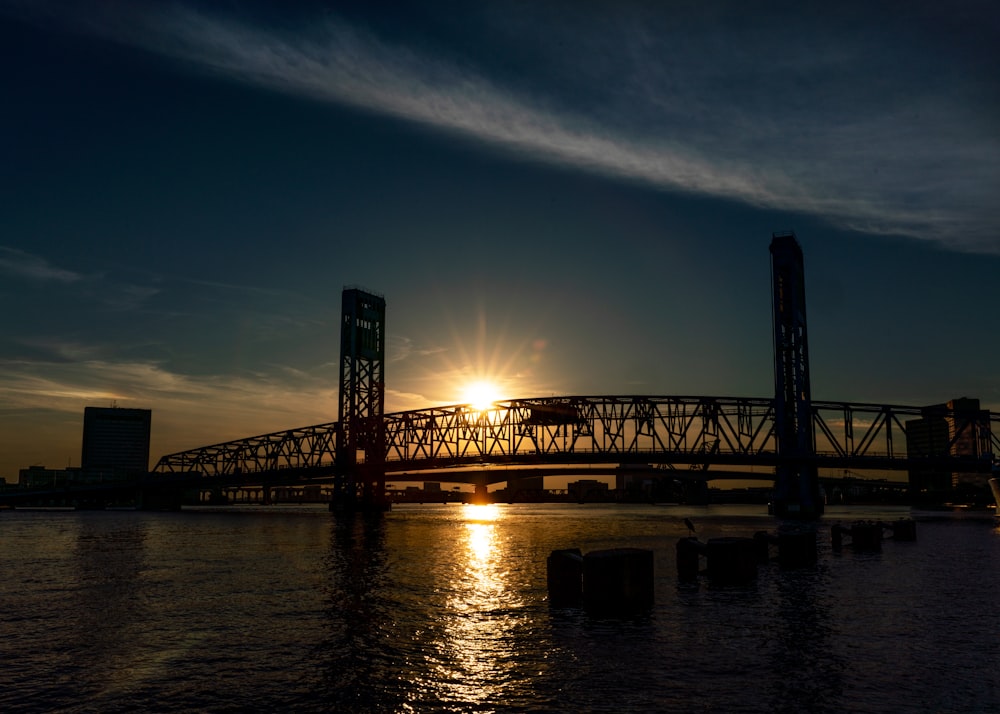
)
(480, 395)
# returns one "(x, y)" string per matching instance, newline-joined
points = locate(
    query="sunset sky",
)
(558, 197)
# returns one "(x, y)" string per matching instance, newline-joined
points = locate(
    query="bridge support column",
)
(217, 497)
(481, 496)
(797, 493)
(361, 444)
(150, 498)
(363, 489)
(695, 492)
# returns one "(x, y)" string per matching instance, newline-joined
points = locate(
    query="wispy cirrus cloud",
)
(797, 126)
(21, 264)
(402, 348)
(830, 116)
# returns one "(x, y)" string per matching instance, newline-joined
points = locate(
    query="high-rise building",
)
(958, 428)
(116, 440)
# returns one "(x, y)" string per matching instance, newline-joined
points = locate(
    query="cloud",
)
(130, 297)
(189, 410)
(402, 348)
(115, 296)
(33, 267)
(829, 116)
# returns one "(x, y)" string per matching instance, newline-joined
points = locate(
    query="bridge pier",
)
(217, 497)
(158, 498)
(362, 490)
(797, 493)
(695, 492)
(481, 496)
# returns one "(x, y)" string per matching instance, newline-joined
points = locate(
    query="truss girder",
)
(293, 448)
(665, 430)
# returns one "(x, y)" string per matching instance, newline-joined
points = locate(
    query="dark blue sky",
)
(563, 198)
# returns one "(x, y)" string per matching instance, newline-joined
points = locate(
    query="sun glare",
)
(480, 395)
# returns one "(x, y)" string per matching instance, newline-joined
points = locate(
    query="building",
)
(41, 477)
(588, 489)
(116, 440)
(958, 428)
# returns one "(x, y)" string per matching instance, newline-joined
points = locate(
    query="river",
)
(442, 608)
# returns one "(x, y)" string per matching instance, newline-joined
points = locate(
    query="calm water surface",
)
(443, 608)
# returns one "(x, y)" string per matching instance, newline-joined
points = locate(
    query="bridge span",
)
(674, 433)
(789, 432)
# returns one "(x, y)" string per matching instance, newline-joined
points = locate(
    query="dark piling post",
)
(732, 560)
(564, 571)
(618, 582)
(904, 529)
(688, 558)
(866, 535)
(837, 536)
(762, 544)
(796, 547)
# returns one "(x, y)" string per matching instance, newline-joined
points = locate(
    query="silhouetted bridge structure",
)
(695, 438)
(789, 433)
(684, 436)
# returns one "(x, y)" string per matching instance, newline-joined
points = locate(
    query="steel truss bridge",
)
(789, 434)
(686, 435)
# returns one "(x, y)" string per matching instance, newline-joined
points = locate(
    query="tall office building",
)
(116, 440)
(958, 428)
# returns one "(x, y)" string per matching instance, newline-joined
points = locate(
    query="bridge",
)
(532, 436)
(788, 437)
(691, 437)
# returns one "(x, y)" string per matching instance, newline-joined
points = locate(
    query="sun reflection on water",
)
(473, 657)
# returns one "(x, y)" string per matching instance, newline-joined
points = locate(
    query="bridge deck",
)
(696, 433)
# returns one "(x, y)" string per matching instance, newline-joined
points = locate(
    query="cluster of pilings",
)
(606, 583)
(734, 560)
(868, 535)
(619, 582)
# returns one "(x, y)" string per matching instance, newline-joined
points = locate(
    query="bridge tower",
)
(796, 488)
(361, 427)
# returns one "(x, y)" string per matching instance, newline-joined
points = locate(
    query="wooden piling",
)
(762, 544)
(796, 547)
(866, 535)
(904, 529)
(618, 582)
(731, 560)
(688, 558)
(564, 575)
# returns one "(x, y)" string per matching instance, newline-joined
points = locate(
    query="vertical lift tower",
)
(796, 485)
(360, 481)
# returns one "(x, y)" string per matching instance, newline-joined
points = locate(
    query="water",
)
(443, 608)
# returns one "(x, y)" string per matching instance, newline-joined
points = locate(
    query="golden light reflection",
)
(483, 570)
(474, 654)
(481, 512)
